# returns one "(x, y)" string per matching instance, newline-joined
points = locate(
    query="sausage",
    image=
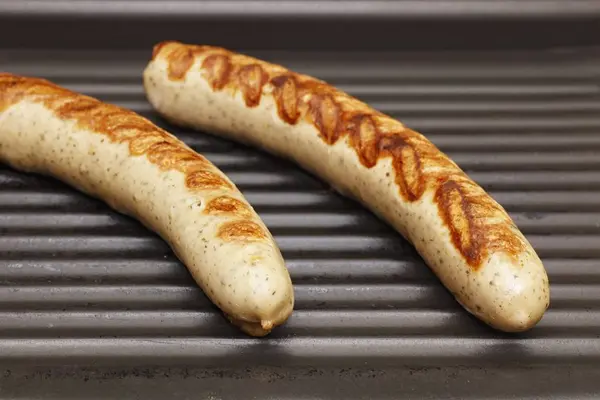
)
(144, 172)
(462, 233)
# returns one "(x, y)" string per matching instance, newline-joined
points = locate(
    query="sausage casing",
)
(461, 232)
(145, 172)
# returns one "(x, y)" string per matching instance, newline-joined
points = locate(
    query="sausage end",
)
(256, 329)
(517, 294)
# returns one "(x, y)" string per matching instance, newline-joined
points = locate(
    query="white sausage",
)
(466, 237)
(142, 171)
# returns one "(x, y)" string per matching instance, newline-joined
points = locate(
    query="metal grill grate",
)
(79, 282)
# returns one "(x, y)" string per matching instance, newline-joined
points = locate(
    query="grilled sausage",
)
(465, 237)
(145, 172)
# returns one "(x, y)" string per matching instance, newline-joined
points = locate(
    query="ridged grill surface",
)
(81, 282)
(306, 8)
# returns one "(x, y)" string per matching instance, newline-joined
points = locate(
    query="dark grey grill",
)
(80, 284)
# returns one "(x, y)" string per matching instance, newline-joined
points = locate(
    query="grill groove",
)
(79, 282)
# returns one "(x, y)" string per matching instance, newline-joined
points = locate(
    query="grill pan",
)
(91, 301)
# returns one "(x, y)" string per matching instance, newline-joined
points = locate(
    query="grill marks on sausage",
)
(326, 116)
(241, 230)
(478, 225)
(366, 138)
(143, 138)
(226, 205)
(458, 218)
(407, 164)
(204, 180)
(286, 98)
(216, 69)
(251, 79)
(180, 61)
(465, 209)
(158, 48)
